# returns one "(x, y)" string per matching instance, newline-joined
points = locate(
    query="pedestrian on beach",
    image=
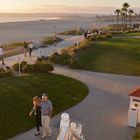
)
(55, 40)
(25, 48)
(1, 55)
(88, 34)
(30, 46)
(46, 110)
(36, 110)
(85, 34)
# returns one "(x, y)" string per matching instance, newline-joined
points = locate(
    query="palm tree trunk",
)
(122, 19)
(126, 18)
(130, 19)
(117, 19)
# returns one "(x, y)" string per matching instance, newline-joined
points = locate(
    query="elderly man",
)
(46, 111)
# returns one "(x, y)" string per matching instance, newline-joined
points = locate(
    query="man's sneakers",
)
(43, 137)
(49, 135)
(37, 133)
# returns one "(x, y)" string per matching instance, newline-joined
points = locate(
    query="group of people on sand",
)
(42, 110)
(28, 47)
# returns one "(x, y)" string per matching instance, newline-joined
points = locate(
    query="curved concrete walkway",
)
(103, 113)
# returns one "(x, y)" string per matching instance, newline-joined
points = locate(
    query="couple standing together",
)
(28, 46)
(42, 110)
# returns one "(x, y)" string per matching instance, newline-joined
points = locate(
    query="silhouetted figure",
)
(85, 34)
(25, 49)
(30, 46)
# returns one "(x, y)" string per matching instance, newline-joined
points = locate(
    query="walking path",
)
(69, 41)
(103, 113)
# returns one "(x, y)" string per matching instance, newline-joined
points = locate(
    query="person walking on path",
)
(85, 34)
(30, 46)
(1, 55)
(25, 49)
(36, 110)
(46, 110)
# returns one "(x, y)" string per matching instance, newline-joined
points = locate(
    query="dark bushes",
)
(5, 73)
(15, 67)
(40, 66)
(74, 64)
(51, 40)
(73, 32)
(65, 59)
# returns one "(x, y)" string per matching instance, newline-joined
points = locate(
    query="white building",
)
(134, 108)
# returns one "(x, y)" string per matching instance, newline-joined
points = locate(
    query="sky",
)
(71, 6)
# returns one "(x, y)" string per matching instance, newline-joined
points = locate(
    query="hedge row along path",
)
(103, 113)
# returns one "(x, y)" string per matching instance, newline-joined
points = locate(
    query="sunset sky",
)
(88, 6)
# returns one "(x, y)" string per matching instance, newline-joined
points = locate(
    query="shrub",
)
(74, 64)
(73, 32)
(15, 67)
(65, 58)
(43, 67)
(5, 73)
(51, 40)
(28, 69)
(55, 58)
(40, 59)
(62, 59)
(109, 35)
(100, 37)
(23, 63)
(38, 68)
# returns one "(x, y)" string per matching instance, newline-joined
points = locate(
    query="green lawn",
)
(16, 99)
(129, 34)
(13, 45)
(137, 135)
(115, 55)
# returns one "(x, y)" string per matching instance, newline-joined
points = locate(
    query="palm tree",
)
(117, 12)
(131, 12)
(125, 8)
(123, 16)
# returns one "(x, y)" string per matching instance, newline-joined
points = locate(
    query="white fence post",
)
(69, 131)
(64, 127)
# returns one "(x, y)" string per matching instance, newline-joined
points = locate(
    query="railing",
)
(69, 131)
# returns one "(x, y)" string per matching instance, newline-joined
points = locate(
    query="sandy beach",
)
(36, 30)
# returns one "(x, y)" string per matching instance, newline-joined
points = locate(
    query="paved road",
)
(103, 113)
(69, 41)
